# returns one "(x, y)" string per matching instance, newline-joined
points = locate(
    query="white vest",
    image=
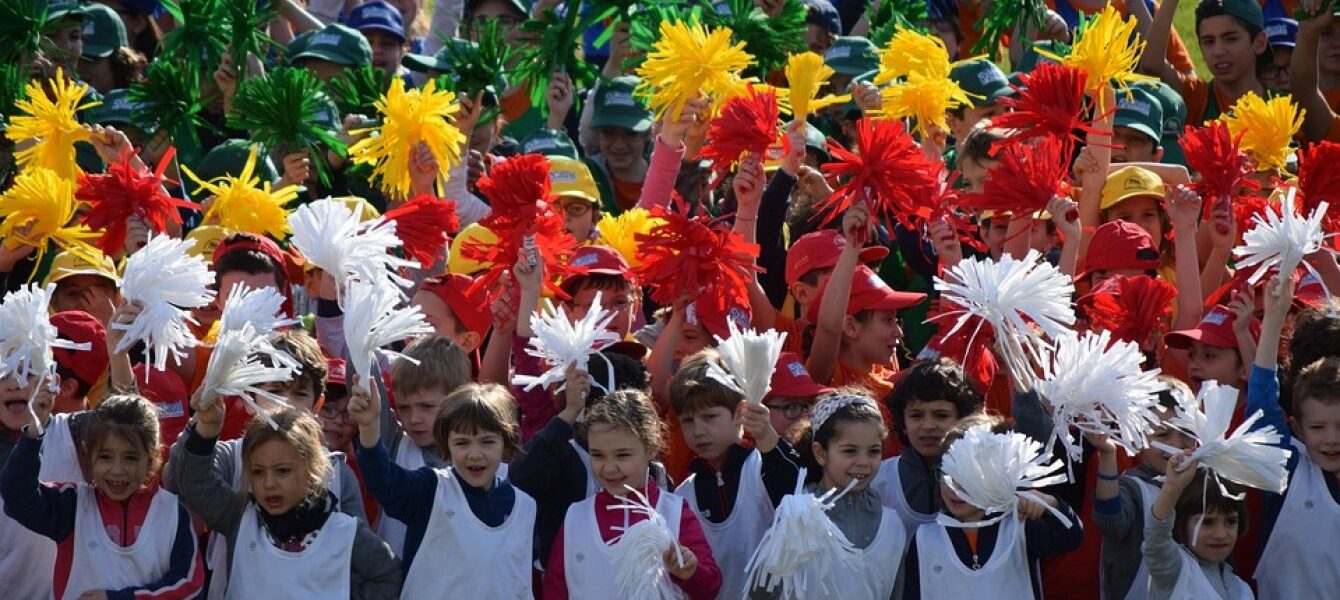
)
(60, 454)
(28, 559)
(260, 570)
(1301, 559)
(101, 563)
(944, 577)
(734, 540)
(462, 554)
(588, 567)
(875, 572)
(1193, 585)
(889, 485)
(592, 486)
(1139, 589)
(409, 456)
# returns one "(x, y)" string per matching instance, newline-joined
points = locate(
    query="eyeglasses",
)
(792, 410)
(329, 412)
(505, 23)
(576, 209)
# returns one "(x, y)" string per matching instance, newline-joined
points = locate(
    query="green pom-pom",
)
(21, 25)
(200, 37)
(356, 89)
(481, 65)
(895, 14)
(769, 39)
(168, 99)
(288, 110)
(555, 49)
(1001, 19)
(247, 21)
(611, 13)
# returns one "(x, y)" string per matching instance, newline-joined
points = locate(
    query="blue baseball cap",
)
(377, 15)
(823, 14)
(1281, 32)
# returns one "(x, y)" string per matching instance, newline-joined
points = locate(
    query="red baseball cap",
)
(716, 319)
(869, 292)
(81, 327)
(1215, 329)
(1309, 291)
(791, 380)
(600, 260)
(1120, 245)
(820, 250)
(471, 310)
(336, 373)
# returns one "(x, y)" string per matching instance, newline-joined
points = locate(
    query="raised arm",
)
(823, 359)
(1318, 118)
(1184, 208)
(1154, 61)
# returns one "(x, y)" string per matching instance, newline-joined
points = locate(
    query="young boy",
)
(986, 84)
(809, 264)
(1218, 348)
(381, 25)
(1119, 248)
(452, 312)
(622, 124)
(578, 197)
(331, 50)
(792, 394)
(1232, 38)
(733, 488)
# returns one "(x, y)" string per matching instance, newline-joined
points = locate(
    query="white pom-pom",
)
(1012, 296)
(332, 238)
(1098, 386)
(561, 343)
(1251, 458)
(262, 307)
(27, 338)
(1281, 238)
(243, 358)
(167, 281)
(750, 359)
(638, 553)
(993, 471)
(802, 550)
(373, 318)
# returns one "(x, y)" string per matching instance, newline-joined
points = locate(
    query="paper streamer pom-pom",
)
(37, 209)
(1002, 18)
(993, 471)
(27, 338)
(126, 191)
(423, 225)
(168, 281)
(687, 60)
(638, 553)
(806, 75)
(48, 116)
(1280, 239)
(1264, 128)
(1129, 307)
(1318, 182)
(686, 256)
(282, 109)
(560, 342)
(554, 45)
(1049, 103)
(1025, 180)
(1251, 458)
(750, 358)
(768, 38)
(911, 51)
(409, 117)
(926, 98)
(890, 172)
(747, 124)
(1012, 296)
(1095, 384)
(1214, 153)
(243, 357)
(1107, 49)
(620, 232)
(373, 319)
(334, 239)
(803, 548)
(245, 203)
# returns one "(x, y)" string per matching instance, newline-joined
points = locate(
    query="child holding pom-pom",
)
(1193, 527)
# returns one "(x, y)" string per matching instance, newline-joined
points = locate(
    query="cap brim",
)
(633, 350)
(383, 28)
(871, 254)
(1140, 127)
(799, 390)
(897, 301)
(63, 274)
(97, 50)
(1181, 340)
(1106, 204)
(319, 55)
(636, 125)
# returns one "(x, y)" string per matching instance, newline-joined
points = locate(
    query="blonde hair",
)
(298, 429)
(476, 408)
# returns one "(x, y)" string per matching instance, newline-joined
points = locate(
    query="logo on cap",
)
(878, 283)
(839, 242)
(168, 411)
(619, 99)
(1170, 126)
(88, 28)
(837, 52)
(541, 144)
(377, 13)
(797, 369)
(564, 177)
(1139, 106)
(590, 258)
(738, 316)
(1136, 181)
(325, 39)
(988, 76)
(1215, 317)
(1277, 29)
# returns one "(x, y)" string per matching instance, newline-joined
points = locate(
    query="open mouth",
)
(117, 488)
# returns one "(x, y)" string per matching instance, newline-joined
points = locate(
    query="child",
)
(809, 264)
(284, 533)
(1233, 40)
(1137, 128)
(792, 395)
(986, 84)
(733, 488)
(578, 197)
(1219, 348)
(1190, 535)
(118, 535)
(624, 434)
(454, 314)
(489, 555)
(27, 558)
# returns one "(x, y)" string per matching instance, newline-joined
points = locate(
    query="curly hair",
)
(631, 410)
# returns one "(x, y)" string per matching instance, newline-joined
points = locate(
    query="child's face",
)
(67, 37)
(1206, 363)
(805, 293)
(233, 278)
(622, 302)
(278, 477)
(476, 455)
(97, 73)
(386, 50)
(93, 294)
(1041, 237)
(444, 322)
(297, 396)
(578, 217)
(1229, 52)
(710, 432)
(975, 174)
(1098, 276)
(1218, 535)
(418, 412)
(1132, 146)
(1318, 426)
(118, 467)
(876, 340)
(854, 453)
(818, 38)
(14, 402)
(971, 117)
(926, 424)
(960, 509)
(618, 458)
(1144, 211)
(692, 339)
(1277, 74)
(322, 69)
(621, 147)
(337, 427)
(1328, 50)
(785, 412)
(994, 232)
(1157, 459)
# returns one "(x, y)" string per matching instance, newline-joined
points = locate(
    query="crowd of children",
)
(669, 299)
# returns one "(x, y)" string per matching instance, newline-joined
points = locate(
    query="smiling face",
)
(710, 432)
(118, 467)
(14, 402)
(337, 427)
(854, 452)
(622, 148)
(278, 476)
(1133, 146)
(387, 50)
(1218, 535)
(476, 455)
(618, 458)
(1318, 426)
(926, 424)
(1230, 53)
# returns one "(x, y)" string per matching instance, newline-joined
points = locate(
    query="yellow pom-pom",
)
(409, 117)
(38, 208)
(49, 118)
(924, 97)
(1266, 127)
(1107, 50)
(806, 74)
(910, 51)
(244, 203)
(686, 60)
(620, 233)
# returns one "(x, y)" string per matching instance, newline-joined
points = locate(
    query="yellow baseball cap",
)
(68, 264)
(207, 238)
(473, 233)
(1130, 182)
(359, 206)
(569, 178)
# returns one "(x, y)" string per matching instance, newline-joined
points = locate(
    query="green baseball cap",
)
(103, 32)
(230, 157)
(60, 9)
(327, 114)
(1032, 58)
(851, 56)
(1141, 111)
(815, 140)
(116, 109)
(298, 44)
(1174, 117)
(338, 44)
(1249, 11)
(521, 7)
(549, 142)
(982, 79)
(616, 105)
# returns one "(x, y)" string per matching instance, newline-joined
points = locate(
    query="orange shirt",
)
(626, 193)
(515, 104)
(795, 333)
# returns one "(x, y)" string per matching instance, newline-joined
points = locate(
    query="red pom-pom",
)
(1317, 183)
(125, 191)
(747, 123)
(1025, 180)
(423, 225)
(1225, 171)
(1130, 307)
(890, 172)
(1049, 103)
(687, 256)
(522, 207)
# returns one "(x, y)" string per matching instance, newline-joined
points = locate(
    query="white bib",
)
(60, 454)
(260, 570)
(875, 572)
(592, 486)
(1301, 559)
(28, 559)
(733, 541)
(944, 577)
(1193, 585)
(889, 485)
(410, 457)
(462, 554)
(588, 567)
(101, 563)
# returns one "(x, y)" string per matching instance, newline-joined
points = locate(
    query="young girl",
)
(120, 533)
(623, 434)
(1192, 530)
(465, 513)
(285, 537)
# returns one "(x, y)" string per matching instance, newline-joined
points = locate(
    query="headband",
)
(828, 406)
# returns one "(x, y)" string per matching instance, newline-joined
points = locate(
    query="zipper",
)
(125, 523)
(721, 496)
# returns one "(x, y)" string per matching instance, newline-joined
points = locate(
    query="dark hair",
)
(312, 364)
(631, 410)
(928, 381)
(476, 408)
(251, 262)
(629, 374)
(852, 413)
(978, 145)
(127, 65)
(1215, 8)
(596, 281)
(1201, 497)
(129, 417)
(692, 390)
(81, 387)
(1319, 382)
(1316, 335)
(1168, 398)
(299, 429)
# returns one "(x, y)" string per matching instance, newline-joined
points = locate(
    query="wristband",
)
(1105, 477)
